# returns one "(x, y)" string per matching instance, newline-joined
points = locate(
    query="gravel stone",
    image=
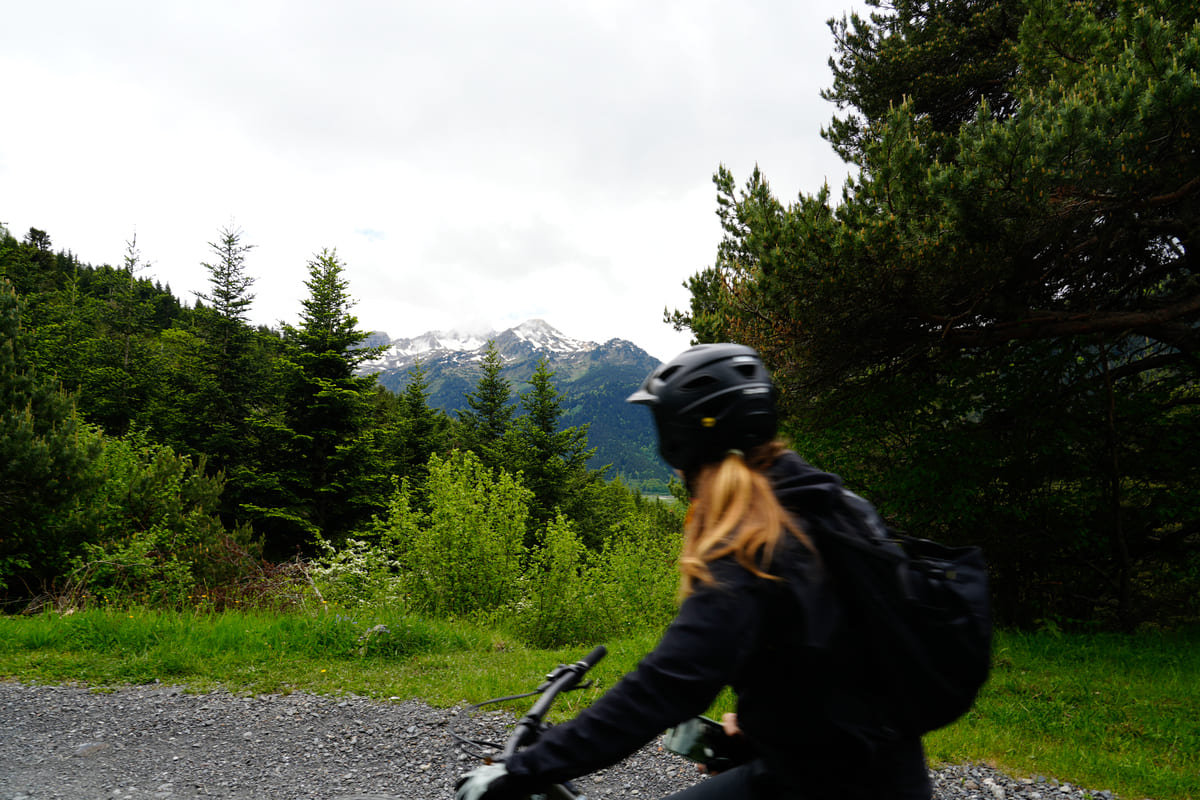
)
(161, 742)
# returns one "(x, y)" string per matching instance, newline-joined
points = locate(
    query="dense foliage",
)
(994, 332)
(156, 452)
(472, 548)
(45, 453)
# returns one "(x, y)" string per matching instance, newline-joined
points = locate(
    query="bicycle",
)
(563, 678)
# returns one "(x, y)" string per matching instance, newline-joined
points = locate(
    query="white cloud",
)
(475, 164)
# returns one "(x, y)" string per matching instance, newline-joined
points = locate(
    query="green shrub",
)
(359, 573)
(557, 609)
(465, 557)
(158, 538)
(633, 580)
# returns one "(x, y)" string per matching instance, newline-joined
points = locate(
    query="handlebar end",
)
(592, 658)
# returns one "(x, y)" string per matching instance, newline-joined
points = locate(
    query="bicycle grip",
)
(593, 657)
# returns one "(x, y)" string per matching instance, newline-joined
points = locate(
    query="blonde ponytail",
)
(734, 511)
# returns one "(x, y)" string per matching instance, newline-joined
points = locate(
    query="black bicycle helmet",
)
(708, 400)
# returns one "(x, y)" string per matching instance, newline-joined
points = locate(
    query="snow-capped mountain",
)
(541, 336)
(594, 380)
(455, 347)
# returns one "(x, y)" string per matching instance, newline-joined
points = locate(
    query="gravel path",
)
(69, 743)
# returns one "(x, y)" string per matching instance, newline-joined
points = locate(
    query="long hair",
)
(734, 510)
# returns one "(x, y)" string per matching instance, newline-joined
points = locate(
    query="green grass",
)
(441, 662)
(1100, 711)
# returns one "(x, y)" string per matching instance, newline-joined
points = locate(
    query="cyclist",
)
(758, 615)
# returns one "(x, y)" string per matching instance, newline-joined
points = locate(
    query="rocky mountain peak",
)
(529, 338)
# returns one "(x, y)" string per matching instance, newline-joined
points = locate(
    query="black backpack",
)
(922, 609)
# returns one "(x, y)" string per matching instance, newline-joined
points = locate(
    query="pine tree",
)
(490, 411)
(996, 327)
(944, 59)
(230, 381)
(553, 461)
(316, 469)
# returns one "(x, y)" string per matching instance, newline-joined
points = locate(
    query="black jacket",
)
(782, 645)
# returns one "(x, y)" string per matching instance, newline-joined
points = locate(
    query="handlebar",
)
(593, 658)
(563, 678)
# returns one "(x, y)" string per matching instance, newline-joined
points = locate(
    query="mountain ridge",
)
(534, 335)
(593, 380)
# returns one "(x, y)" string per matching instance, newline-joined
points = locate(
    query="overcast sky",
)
(475, 164)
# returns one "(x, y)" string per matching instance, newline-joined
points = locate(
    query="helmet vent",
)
(699, 382)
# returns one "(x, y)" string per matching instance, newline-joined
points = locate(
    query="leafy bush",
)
(557, 609)
(577, 596)
(465, 556)
(635, 576)
(158, 539)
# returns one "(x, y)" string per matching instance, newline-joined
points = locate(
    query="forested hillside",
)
(140, 431)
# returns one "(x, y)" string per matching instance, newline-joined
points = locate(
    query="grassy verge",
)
(442, 663)
(1104, 712)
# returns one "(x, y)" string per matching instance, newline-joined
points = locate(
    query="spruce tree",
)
(229, 381)
(316, 470)
(118, 374)
(216, 401)
(424, 427)
(489, 413)
(230, 294)
(553, 461)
